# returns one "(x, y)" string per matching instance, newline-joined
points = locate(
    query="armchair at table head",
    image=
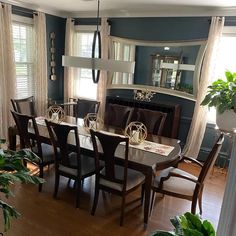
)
(118, 115)
(24, 105)
(43, 150)
(85, 106)
(153, 120)
(119, 180)
(181, 184)
(70, 164)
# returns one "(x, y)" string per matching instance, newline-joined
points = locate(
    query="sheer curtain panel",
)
(7, 68)
(198, 124)
(41, 75)
(68, 71)
(102, 84)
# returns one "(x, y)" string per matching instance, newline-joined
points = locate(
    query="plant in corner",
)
(222, 95)
(188, 224)
(12, 170)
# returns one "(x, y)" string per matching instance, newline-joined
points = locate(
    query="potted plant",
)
(186, 225)
(222, 95)
(12, 170)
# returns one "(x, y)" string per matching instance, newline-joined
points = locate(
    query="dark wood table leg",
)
(148, 184)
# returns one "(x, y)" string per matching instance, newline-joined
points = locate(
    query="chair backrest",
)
(105, 146)
(59, 135)
(153, 120)
(85, 106)
(24, 105)
(118, 115)
(23, 122)
(210, 161)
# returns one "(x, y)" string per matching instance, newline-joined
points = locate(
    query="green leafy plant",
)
(12, 170)
(188, 224)
(222, 93)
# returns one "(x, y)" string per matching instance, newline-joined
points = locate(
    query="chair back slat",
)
(108, 144)
(59, 135)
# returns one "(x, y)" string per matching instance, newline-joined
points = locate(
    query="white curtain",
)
(198, 124)
(7, 69)
(41, 75)
(102, 84)
(68, 71)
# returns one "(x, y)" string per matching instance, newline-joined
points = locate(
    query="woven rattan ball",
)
(55, 114)
(137, 132)
(93, 121)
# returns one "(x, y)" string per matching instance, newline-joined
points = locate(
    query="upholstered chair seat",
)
(133, 178)
(175, 184)
(87, 165)
(47, 151)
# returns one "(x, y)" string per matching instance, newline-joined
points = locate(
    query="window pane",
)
(84, 86)
(23, 50)
(225, 61)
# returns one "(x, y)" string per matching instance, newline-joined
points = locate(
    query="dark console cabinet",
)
(171, 127)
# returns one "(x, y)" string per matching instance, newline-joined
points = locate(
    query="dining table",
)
(155, 153)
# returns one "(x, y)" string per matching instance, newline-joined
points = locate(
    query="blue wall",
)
(57, 25)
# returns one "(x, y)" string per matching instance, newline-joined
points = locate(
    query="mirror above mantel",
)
(171, 68)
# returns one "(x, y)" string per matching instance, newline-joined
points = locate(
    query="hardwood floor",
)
(43, 215)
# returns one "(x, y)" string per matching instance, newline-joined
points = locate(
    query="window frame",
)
(25, 21)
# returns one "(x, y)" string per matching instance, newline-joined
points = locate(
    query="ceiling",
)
(131, 8)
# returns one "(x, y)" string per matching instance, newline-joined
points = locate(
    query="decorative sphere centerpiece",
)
(137, 132)
(55, 114)
(93, 121)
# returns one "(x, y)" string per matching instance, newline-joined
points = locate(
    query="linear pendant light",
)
(96, 63)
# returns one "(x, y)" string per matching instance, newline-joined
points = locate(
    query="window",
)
(84, 86)
(23, 50)
(225, 60)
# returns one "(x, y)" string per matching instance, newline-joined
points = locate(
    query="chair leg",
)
(78, 191)
(41, 176)
(95, 200)
(57, 179)
(142, 193)
(200, 202)
(122, 210)
(152, 201)
(194, 205)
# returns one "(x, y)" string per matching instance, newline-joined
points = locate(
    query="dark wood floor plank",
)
(43, 215)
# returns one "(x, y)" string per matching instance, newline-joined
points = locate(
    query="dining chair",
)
(24, 105)
(153, 120)
(118, 115)
(70, 164)
(85, 106)
(43, 150)
(181, 184)
(119, 180)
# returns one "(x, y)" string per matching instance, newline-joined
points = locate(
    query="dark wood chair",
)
(119, 180)
(70, 164)
(118, 115)
(43, 150)
(85, 106)
(181, 184)
(25, 106)
(153, 120)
